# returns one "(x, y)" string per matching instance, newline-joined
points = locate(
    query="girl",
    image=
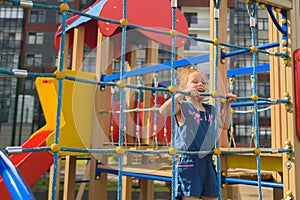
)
(196, 175)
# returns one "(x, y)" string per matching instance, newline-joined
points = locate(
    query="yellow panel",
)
(269, 163)
(78, 110)
(48, 99)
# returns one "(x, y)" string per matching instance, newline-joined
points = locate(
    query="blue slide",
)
(13, 180)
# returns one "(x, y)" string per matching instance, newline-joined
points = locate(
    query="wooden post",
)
(66, 52)
(98, 185)
(130, 96)
(82, 185)
(284, 125)
(222, 72)
(147, 189)
(151, 59)
(291, 177)
(57, 180)
(70, 165)
(78, 48)
(70, 178)
(126, 187)
(276, 93)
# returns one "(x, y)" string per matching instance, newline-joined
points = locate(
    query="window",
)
(164, 53)
(191, 18)
(264, 89)
(59, 17)
(29, 84)
(265, 136)
(89, 62)
(10, 39)
(140, 62)
(37, 16)
(56, 60)
(11, 13)
(262, 41)
(190, 42)
(9, 61)
(262, 24)
(34, 60)
(35, 38)
(265, 112)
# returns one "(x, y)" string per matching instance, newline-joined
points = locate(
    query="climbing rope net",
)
(121, 85)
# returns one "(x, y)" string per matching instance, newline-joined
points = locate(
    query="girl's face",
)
(197, 81)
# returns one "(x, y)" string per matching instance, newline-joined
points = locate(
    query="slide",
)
(75, 122)
(31, 165)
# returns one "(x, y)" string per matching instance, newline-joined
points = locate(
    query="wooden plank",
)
(275, 93)
(221, 73)
(104, 60)
(82, 185)
(270, 163)
(101, 126)
(166, 170)
(70, 178)
(66, 52)
(248, 174)
(98, 185)
(130, 96)
(78, 48)
(150, 169)
(151, 59)
(57, 181)
(147, 189)
(126, 187)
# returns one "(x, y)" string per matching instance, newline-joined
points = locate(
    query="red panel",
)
(116, 117)
(156, 14)
(161, 122)
(297, 89)
(30, 165)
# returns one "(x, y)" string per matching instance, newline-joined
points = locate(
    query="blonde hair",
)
(183, 76)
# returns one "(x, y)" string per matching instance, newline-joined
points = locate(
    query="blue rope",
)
(173, 97)
(111, 116)
(216, 67)
(122, 100)
(138, 136)
(59, 103)
(252, 9)
(152, 152)
(155, 82)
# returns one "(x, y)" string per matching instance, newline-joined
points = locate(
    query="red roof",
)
(154, 14)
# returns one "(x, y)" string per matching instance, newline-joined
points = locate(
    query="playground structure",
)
(85, 120)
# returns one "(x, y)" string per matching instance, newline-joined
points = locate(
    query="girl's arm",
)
(166, 108)
(224, 121)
